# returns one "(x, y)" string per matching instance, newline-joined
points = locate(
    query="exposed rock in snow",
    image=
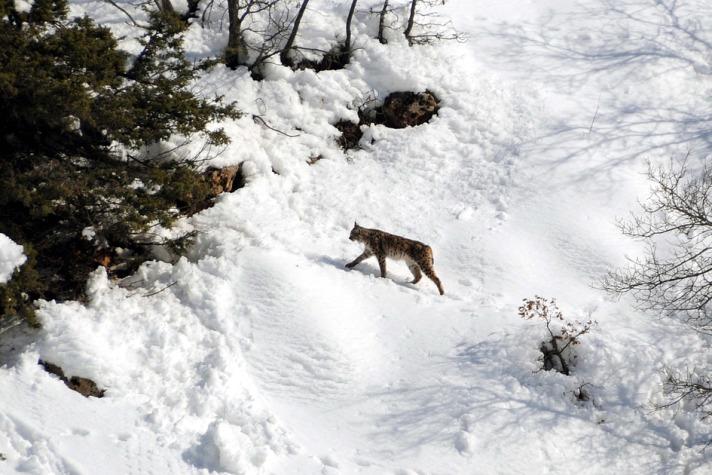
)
(225, 179)
(407, 109)
(84, 386)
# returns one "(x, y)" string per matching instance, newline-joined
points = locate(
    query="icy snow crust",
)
(260, 353)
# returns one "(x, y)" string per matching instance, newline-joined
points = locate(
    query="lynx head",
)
(356, 232)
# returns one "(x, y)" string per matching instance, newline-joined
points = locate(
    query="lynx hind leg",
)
(431, 275)
(415, 270)
(426, 265)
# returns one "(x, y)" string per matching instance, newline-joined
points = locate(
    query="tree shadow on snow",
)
(610, 36)
(504, 405)
(619, 45)
(14, 341)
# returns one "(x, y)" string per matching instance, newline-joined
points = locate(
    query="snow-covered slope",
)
(260, 353)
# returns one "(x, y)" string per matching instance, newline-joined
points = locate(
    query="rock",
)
(227, 179)
(84, 386)
(406, 109)
(52, 368)
(350, 134)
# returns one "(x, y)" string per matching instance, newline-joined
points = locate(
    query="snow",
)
(260, 353)
(11, 257)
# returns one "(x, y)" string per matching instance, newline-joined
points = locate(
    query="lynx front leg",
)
(382, 264)
(357, 261)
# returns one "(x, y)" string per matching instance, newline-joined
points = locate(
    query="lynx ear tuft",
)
(356, 225)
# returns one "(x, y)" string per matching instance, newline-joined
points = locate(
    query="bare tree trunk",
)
(347, 43)
(192, 9)
(381, 23)
(558, 352)
(411, 20)
(284, 55)
(165, 6)
(235, 51)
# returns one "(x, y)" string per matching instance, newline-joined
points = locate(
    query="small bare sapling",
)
(563, 335)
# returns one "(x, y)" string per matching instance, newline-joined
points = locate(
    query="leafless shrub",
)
(256, 31)
(165, 7)
(676, 281)
(284, 53)
(418, 20)
(674, 276)
(389, 18)
(692, 387)
(425, 25)
(563, 334)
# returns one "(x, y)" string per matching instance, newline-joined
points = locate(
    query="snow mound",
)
(11, 257)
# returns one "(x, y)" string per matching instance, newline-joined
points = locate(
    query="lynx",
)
(417, 255)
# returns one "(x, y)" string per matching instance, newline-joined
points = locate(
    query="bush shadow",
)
(366, 268)
(514, 401)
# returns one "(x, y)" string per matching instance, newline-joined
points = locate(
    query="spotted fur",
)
(418, 256)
